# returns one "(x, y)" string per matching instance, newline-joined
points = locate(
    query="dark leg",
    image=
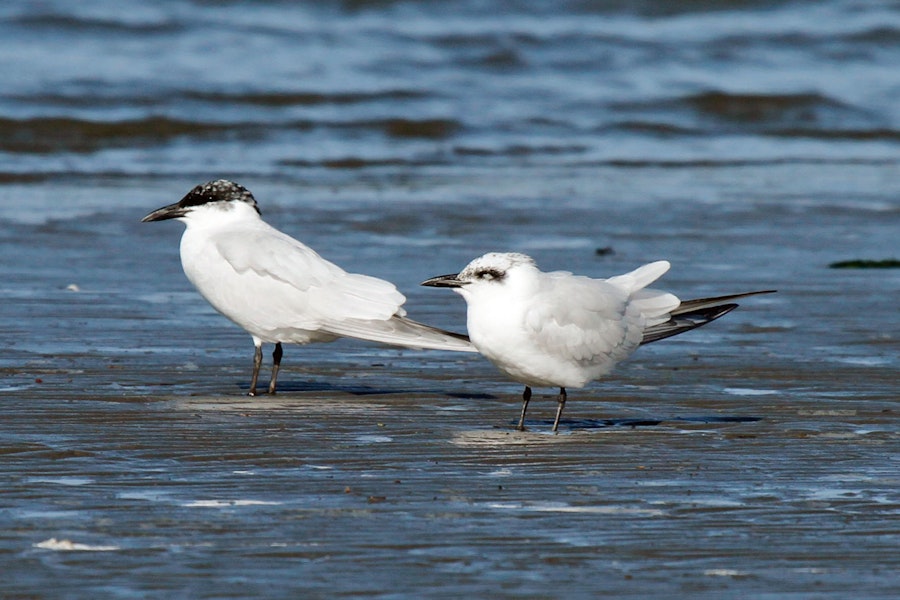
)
(276, 363)
(257, 363)
(561, 403)
(526, 396)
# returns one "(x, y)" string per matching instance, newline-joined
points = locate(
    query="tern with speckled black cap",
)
(278, 289)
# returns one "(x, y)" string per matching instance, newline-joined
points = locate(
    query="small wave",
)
(65, 134)
(767, 108)
(755, 107)
(709, 163)
(285, 99)
(884, 36)
(439, 158)
(94, 25)
(489, 50)
(356, 162)
(807, 111)
(519, 150)
(434, 129)
(651, 128)
(424, 128)
(7, 178)
(43, 135)
(859, 135)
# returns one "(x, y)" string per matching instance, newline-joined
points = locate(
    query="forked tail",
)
(692, 314)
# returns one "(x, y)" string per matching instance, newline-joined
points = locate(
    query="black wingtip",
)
(686, 321)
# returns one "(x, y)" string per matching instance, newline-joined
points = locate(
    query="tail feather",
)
(685, 322)
(642, 276)
(692, 314)
(692, 305)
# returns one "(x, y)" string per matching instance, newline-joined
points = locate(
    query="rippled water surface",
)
(752, 144)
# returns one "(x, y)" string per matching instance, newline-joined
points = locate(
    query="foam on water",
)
(70, 546)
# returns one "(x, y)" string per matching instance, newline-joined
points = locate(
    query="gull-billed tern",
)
(562, 330)
(280, 290)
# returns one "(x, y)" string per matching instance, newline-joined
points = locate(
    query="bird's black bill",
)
(447, 281)
(173, 211)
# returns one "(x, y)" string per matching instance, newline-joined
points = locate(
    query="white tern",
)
(280, 290)
(563, 330)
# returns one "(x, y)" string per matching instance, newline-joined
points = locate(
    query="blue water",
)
(750, 143)
(276, 89)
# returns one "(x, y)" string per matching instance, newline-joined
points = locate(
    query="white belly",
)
(544, 358)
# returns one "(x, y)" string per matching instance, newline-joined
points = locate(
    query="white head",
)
(492, 273)
(212, 201)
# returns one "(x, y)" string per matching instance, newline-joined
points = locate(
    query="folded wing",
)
(329, 299)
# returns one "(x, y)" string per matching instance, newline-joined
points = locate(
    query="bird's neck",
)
(229, 217)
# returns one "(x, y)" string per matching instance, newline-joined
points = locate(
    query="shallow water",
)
(751, 145)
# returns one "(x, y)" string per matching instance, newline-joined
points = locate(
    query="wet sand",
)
(751, 144)
(729, 461)
(382, 494)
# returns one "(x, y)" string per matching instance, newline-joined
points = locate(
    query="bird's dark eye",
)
(489, 274)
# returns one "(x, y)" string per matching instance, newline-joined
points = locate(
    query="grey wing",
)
(400, 331)
(327, 291)
(329, 298)
(583, 319)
